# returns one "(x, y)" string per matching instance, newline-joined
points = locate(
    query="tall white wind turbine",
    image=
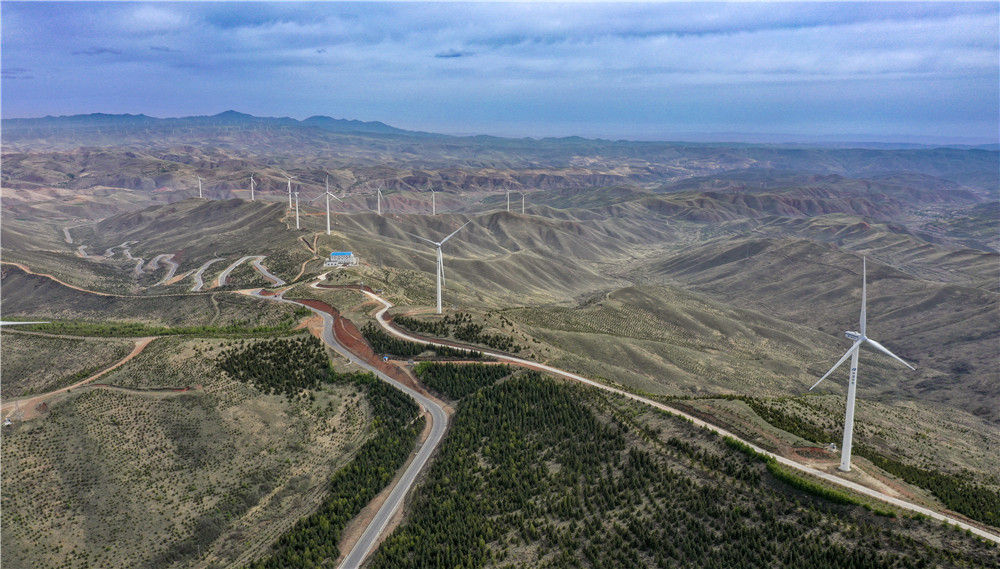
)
(378, 199)
(251, 187)
(440, 260)
(522, 203)
(858, 338)
(200, 196)
(508, 199)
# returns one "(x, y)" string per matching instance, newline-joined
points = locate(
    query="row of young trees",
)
(385, 344)
(460, 327)
(455, 381)
(536, 473)
(312, 542)
(136, 329)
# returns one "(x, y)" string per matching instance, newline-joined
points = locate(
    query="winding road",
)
(198, 283)
(221, 281)
(439, 423)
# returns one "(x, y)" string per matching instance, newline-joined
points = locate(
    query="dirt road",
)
(27, 407)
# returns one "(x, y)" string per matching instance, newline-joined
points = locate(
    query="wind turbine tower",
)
(328, 195)
(200, 196)
(251, 187)
(440, 260)
(296, 210)
(858, 338)
(290, 178)
(378, 199)
(508, 199)
(522, 203)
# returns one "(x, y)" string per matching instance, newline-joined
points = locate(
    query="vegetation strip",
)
(135, 329)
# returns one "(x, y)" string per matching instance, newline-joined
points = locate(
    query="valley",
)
(703, 281)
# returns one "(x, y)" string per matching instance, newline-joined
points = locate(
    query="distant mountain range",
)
(233, 118)
(227, 118)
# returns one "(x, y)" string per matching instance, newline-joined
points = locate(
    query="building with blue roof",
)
(341, 259)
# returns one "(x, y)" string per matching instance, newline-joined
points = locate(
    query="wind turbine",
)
(440, 259)
(508, 199)
(858, 338)
(199, 188)
(290, 178)
(251, 187)
(378, 199)
(522, 203)
(328, 195)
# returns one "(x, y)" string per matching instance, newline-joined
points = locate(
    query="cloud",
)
(16, 73)
(452, 53)
(97, 51)
(621, 64)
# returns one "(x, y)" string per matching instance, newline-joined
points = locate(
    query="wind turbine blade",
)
(335, 197)
(452, 234)
(839, 362)
(886, 351)
(434, 243)
(864, 295)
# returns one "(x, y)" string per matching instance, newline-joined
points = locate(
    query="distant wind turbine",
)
(251, 187)
(508, 199)
(440, 260)
(378, 200)
(199, 188)
(290, 178)
(522, 203)
(328, 195)
(858, 338)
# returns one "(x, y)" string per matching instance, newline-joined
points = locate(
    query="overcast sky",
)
(856, 71)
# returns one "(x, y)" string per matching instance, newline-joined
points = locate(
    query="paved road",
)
(439, 423)
(166, 259)
(256, 265)
(267, 274)
(380, 316)
(198, 283)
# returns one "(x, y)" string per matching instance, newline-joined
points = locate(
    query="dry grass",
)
(116, 479)
(35, 364)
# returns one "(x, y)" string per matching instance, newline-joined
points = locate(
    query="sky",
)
(908, 72)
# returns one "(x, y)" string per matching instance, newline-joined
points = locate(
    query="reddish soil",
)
(348, 335)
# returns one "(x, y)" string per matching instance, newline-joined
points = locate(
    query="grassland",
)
(126, 478)
(35, 364)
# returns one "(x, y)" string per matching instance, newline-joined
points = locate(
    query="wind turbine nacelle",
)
(852, 336)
